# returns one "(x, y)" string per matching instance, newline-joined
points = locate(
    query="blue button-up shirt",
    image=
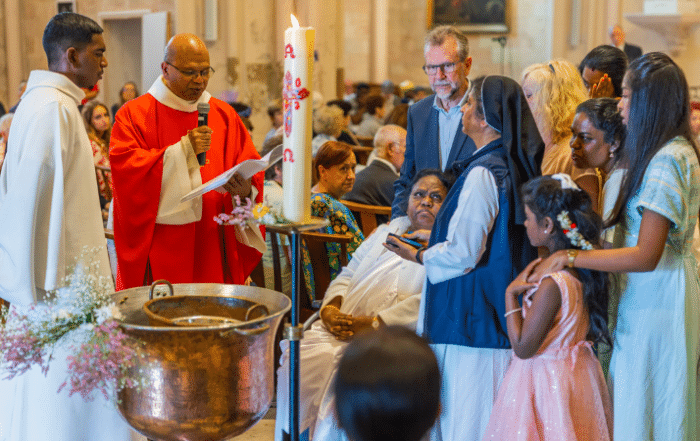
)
(448, 123)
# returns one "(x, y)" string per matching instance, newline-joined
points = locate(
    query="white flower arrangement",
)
(571, 231)
(81, 315)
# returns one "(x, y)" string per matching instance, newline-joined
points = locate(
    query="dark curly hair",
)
(545, 197)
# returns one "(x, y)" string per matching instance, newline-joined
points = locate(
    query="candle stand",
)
(293, 331)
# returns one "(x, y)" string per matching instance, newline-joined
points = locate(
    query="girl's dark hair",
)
(607, 59)
(387, 386)
(659, 110)
(545, 197)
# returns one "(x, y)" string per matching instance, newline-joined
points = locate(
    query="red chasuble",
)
(197, 252)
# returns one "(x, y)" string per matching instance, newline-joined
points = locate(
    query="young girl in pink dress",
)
(554, 388)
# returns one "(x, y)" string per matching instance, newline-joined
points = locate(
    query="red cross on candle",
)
(293, 93)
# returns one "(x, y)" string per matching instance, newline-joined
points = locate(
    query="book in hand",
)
(246, 169)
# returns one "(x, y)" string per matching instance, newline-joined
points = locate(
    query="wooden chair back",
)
(316, 244)
(101, 170)
(366, 141)
(277, 253)
(366, 215)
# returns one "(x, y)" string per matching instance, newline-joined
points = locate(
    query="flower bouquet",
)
(245, 213)
(82, 316)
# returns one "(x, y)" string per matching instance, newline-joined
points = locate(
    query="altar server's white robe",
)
(375, 282)
(49, 211)
(49, 205)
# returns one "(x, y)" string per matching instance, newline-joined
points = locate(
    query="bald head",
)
(186, 69)
(390, 144)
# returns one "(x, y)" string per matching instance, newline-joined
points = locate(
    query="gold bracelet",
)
(572, 257)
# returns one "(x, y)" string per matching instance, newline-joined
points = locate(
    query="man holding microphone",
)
(153, 153)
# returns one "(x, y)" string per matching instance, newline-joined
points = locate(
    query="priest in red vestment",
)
(153, 151)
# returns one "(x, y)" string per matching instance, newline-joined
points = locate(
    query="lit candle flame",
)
(295, 22)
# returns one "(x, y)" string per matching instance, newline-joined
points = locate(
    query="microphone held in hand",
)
(202, 119)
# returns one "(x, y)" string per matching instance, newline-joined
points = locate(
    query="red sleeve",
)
(137, 170)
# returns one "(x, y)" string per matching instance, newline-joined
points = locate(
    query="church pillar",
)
(13, 50)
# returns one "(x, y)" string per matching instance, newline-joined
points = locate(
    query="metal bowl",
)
(203, 383)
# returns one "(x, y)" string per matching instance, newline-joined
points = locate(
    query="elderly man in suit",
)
(374, 185)
(434, 136)
(617, 38)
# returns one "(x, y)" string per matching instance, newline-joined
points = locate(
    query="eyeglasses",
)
(205, 73)
(432, 69)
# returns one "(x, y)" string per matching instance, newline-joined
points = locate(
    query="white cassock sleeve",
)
(467, 231)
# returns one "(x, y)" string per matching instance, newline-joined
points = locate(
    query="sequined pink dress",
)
(559, 393)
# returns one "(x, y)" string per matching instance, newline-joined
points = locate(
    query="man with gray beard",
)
(434, 136)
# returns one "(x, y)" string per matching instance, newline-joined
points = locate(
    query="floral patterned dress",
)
(341, 221)
(100, 159)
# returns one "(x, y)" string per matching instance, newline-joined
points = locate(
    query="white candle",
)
(297, 87)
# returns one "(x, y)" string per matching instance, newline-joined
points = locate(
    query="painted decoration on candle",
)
(288, 155)
(293, 93)
(289, 50)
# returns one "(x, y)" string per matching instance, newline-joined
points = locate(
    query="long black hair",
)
(545, 197)
(659, 110)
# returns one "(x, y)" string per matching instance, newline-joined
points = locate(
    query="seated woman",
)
(334, 167)
(99, 128)
(553, 90)
(376, 288)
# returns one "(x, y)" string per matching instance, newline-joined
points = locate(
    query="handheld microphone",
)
(202, 119)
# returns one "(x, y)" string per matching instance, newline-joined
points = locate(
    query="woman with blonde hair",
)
(553, 91)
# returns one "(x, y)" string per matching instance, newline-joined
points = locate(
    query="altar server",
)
(50, 211)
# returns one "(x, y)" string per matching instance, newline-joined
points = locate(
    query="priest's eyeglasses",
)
(432, 69)
(205, 73)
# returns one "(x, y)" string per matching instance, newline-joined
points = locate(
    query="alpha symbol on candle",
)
(293, 93)
(289, 50)
(288, 155)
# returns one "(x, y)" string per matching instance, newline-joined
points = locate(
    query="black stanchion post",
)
(294, 342)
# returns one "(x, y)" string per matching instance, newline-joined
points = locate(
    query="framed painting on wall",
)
(471, 16)
(65, 6)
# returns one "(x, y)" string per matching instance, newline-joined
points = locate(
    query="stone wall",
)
(5, 97)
